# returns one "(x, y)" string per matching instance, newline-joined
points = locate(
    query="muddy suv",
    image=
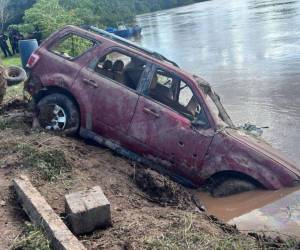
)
(145, 107)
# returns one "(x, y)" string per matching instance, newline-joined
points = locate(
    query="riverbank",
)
(158, 215)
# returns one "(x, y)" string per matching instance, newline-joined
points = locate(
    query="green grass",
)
(185, 233)
(10, 123)
(11, 61)
(14, 92)
(33, 238)
(50, 163)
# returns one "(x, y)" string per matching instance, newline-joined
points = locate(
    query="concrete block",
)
(87, 210)
(40, 213)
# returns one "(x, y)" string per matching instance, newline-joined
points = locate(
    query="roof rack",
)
(127, 43)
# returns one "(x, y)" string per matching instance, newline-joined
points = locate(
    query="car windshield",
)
(214, 102)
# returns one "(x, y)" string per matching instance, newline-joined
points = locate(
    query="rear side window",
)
(72, 46)
(122, 68)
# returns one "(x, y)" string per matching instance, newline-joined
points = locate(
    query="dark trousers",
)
(5, 50)
(14, 47)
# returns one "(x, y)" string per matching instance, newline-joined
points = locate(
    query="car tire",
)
(14, 75)
(232, 186)
(58, 113)
(2, 89)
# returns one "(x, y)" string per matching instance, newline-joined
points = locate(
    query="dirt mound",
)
(15, 104)
(161, 189)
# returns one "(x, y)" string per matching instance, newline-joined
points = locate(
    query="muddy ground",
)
(149, 211)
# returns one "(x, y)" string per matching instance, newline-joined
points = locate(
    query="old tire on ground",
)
(3, 84)
(14, 75)
(232, 186)
(58, 113)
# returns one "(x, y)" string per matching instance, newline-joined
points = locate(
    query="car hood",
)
(263, 147)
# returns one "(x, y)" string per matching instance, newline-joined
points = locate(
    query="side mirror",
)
(198, 124)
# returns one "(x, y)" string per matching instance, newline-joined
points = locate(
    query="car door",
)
(113, 103)
(180, 146)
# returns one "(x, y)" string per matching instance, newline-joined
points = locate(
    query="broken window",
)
(72, 46)
(162, 87)
(122, 68)
(175, 93)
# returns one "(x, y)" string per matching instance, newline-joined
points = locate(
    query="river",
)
(249, 50)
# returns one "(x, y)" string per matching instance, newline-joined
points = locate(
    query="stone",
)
(41, 214)
(87, 210)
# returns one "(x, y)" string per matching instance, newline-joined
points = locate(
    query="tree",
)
(4, 14)
(16, 9)
(49, 16)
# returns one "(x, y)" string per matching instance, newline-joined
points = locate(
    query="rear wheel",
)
(232, 185)
(58, 113)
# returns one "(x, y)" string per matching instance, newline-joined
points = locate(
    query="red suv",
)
(145, 107)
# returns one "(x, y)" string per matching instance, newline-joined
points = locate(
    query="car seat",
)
(106, 69)
(117, 70)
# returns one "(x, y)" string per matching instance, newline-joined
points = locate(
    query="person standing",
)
(37, 34)
(11, 40)
(14, 37)
(4, 46)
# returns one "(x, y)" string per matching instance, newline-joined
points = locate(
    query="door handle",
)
(90, 82)
(151, 112)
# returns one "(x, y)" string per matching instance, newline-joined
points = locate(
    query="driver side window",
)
(122, 68)
(187, 100)
(174, 93)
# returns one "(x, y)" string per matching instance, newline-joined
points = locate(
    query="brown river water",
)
(249, 50)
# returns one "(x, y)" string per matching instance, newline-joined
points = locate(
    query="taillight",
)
(33, 59)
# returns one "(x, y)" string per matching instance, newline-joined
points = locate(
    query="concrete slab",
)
(87, 210)
(41, 214)
(281, 216)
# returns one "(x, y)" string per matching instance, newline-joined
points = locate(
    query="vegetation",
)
(50, 15)
(33, 238)
(10, 61)
(15, 11)
(185, 233)
(49, 163)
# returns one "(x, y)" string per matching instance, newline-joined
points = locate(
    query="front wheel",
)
(58, 113)
(232, 186)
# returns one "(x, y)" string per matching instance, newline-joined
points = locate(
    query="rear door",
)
(162, 122)
(113, 101)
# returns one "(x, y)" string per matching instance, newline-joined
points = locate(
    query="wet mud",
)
(161, 189)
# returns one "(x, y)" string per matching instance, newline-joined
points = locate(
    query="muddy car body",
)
(145, 107)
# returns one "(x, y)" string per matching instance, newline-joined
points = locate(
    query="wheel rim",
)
(58, 120)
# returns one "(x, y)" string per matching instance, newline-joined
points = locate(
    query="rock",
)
(87, 210)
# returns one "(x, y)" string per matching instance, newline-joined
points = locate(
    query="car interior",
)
(175, 93)
(124, 69)
(164, 88)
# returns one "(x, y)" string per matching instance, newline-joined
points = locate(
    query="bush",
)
(49, 16)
